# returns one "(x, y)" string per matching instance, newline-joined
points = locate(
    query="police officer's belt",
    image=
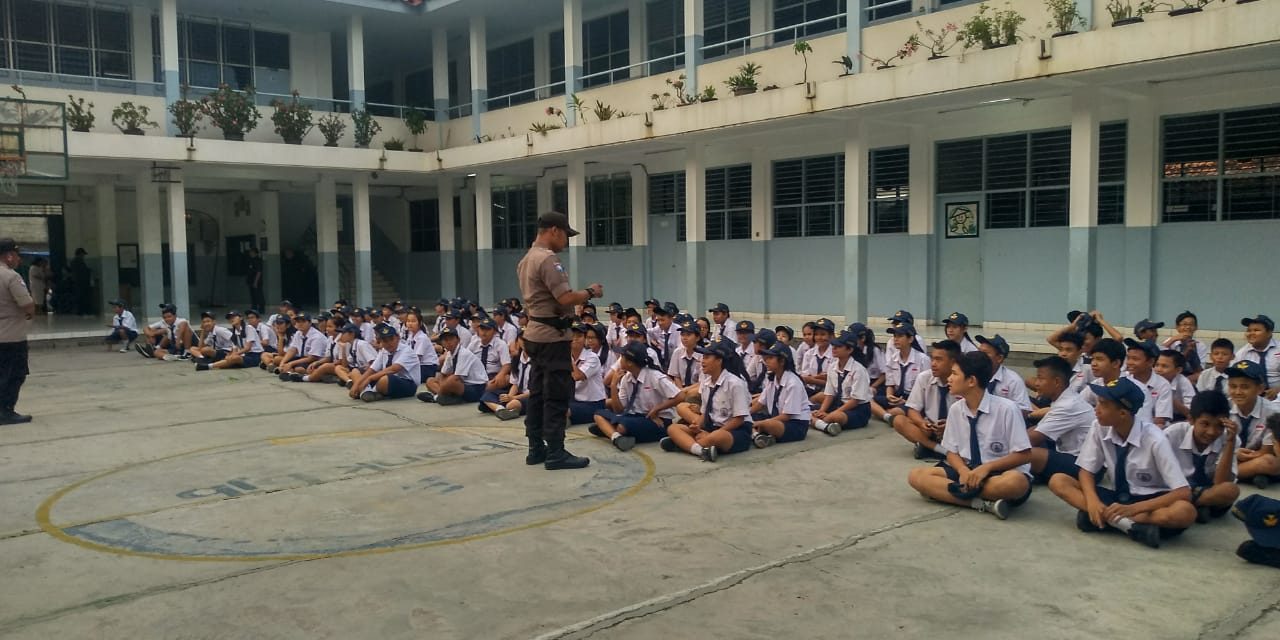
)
(559, 324)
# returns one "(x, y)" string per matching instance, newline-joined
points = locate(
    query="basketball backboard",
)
(33, 141)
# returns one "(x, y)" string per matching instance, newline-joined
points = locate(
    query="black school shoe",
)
(449, 401)
(285, 376)
(667, 444)
(1148, 534)
(1258, 554)
(1084, 524)
(427, 396)
(562, 459)
(9, 416)
(202, 366)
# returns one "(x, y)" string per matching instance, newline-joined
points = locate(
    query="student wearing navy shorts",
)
(648, 400)
(782, 412)
(462, 377)
(724, 423)
(393, 374)
(510, 404)
(124, 327)
(845, 401)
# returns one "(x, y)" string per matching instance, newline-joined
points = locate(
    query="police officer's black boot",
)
(537, 451)
(559, 458)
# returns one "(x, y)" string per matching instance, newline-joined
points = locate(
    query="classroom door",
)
(959, 263)
(666, 275)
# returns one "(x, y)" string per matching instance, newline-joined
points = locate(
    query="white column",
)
(695, 220)
(448, 248)
(1141, 202)
(360, 220)
(636, 33)
(1083, 202)
(169, 54)
(150, 267)
(761, 19)
(855, 221)
(479, 72)
(853, 35)
(355, 60)
(105, 200)
(541, 62)
(545, 196)
(761, 195)
(140, 39)
(639, 207)
(572, 54)
(180, 294)
(484, 236)
(269, 205)
(692, 46)
(577, 179)
(327, 239)
(921, 222)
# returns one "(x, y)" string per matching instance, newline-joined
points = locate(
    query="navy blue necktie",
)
(975, 447)
(484, 357)
(777, 398)
(1217, 384)
(303, 350)
(839, 397)
(943, 392)
(902, 378)
(991, 386)
(1122, 480)
(706, 416)
(1246, 423)
(822, 360)
(688, 371)
(1262, 360)
(635, 393)
(1200, 478)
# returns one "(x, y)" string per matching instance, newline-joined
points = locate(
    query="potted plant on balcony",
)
(682, 99)
(803, 50)
(130, 119)
(187, 115)
(415, 120)
(292, 119)
(992, 29)
(939, 42)
(364, 128)
(1124, 12)
(394, 144)
(1063, 16)
(905, 51)
(79, 114)
(232, 111)
(744, 81)
(331, 127)
(1189, 6)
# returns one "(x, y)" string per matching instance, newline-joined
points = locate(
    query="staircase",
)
(383, 290)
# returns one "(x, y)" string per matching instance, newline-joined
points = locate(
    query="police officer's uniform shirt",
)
(1150, 466)
(915, 363)
(312, 343)
(1081, 376)
(856, 384)
(1208, 379)
(219, 338)
(1001, 430)
(499, 354)
(360, 354)
(793, 401)
(543, 280)
(1068, 422)
(465, 364)
(403, 356)
(655, 389)
(591, 387)
(1256, 436)
(816, 361)
(1184, 447)
(1269, 358)
(125, 320)
(924, 396)
(421, 344)
(732, 400)
(1182, 388)
(680, 361)
(1010, 385)
(1159, 396)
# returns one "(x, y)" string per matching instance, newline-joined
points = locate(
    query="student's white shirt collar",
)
(1189, 442)
(983, 407)
(720, 379)
(1256, 413)
(1135, 435)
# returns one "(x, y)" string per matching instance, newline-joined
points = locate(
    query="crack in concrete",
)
(588, 628)
(1235, 623)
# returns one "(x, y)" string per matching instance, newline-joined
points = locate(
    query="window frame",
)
(614, 216)
(615, 52)
(901, 193)
(720, 25)
(805, 208)
(721, 210)
(517, 228)
(1113, 187)
(255, 71)
(424, 225)
(839, 19)
(657, 48)
(678, 206)
(1026, 195)
(506, 88)
(1226, 173)
(90, 51)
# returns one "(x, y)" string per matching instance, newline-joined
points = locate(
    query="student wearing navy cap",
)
(616, 330)
(651, 306)
(453, 320)
(902, 317)
(722, 324)
(957, 328)
(928, 403)
(723, 425)
(1062, 430)
(818, 358)
(988, 455)
(494, 354)
(284, 309)
(215, 340)
(1262, 349)
(510, 404)
(168, 338)
(1004, 382)
(635, 333)
(1140, 361)
(1261, 517)
(1206, 451)
(845, 400)
(462, 377)
(356, 355)
(1129, 478)
(746, 335)
(904, 364)
(685, 367)
(786, 336)
(663, 337)
(1258, 454)
(306, 346)
(246, 346)
(648, 401)
(322, 369)
(283, 331)
(124, 327)
(754, 362)
(781, 414)
(394, 373)
(588, 378)
(441, 308)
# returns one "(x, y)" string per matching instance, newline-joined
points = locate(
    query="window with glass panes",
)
(560, 196)
(511, 72)
(555, 45)
(665, 22)
(1112, 139)
(424, 225)
(888, 177)
(728, 203)
(808, 197)
(606, 45)
(883, 9)
(724, 21)
(212, 52)
(787, 13)
(609, 210)
(666, 198)
(419, 89)
(69, 39)
(1023, 178)
(515, 215)
(1221, 166)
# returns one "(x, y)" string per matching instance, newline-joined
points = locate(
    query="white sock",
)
(937, 448)
(306, 378)
(696, 449)
(1123, 524)
(820, 424)
(615, 436)
(888, 417)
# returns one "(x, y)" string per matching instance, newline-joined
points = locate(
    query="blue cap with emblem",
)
(690, 327)
(825, 324)
(487, 323)
(1247, 369)
(719, 308)
(717, 348)
(904, 329)
(957, 318)
(1121, 391)
(902, 316)
(1259, 319)
(1261, 516)
(638, 353)
(384, 331)
(446, 333)
(301, 317)
(998, 343)
(1146, 346)
(1147, 324)
(746, 326)
(349, 328)
(634, 329)
(766, 337)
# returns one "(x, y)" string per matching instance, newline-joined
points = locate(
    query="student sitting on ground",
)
(904, 365)
(588, 379)
(124, 327)
(663, 337)
(1262, 348)
(1257, 453)
(357, 355)
(723, 423)
(957, 328)
(494, 354)
(509, 405)
(266, 335)
(781, 414)
(1129, 477)
(845, 401)
(1206, 450)
(1069, 345)
(167, 339)
(754, 362)
(214, 343)
(322, 369)
(785, 336)
(818, 358)
(1004, 382)
(462, 376)
(806, 343)
(685, 367)
(306, 346)
(1195, 353)
(648, 398)
(1140, 361)
(283, 330)
(1214, 375)
(393, 374)
(869, 355)
(988, 454)
(415, 335)
(1169, 365)
(1060, 433)
(1107, 362)
(901, 317)
(246, 346)
(1082, 323)
(929, 402)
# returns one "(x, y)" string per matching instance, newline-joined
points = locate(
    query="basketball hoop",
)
(11, 166)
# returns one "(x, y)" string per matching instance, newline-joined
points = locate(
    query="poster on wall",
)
(962, 219)
(128, 256)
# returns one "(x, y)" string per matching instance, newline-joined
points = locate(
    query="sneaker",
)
(202, 366)
(763, 440)
(504, 414)
(285, 376)
(449, 401)
(1202, 515)
(997, 508)
(919, 452)
(831, 429)
(425, 396)
(1261, 481)
(348, 384)
(331, 379)
(184, 356)
(369, 395)
(624, 443)
(274, 370)
(667, 444)
(1084, 524)
(141, 349)
(296, 377)
(262, 365)
(594, 430)
(1147, 534)
(169, 357)
(124, 350)
(710, 454)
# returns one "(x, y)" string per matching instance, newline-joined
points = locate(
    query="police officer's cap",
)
(556, 220)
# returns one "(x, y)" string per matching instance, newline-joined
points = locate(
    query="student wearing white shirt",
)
(870, 356)
(929, 403)
(494, 354)
(506, 330)
(1169, 365)
(124, 327)
(722, 322)
(1206, 451)
(664, 338)
(806, 343)
(1257, 453)
(745, 335)
(845, 401)
(786, 335)
(957, 327)
(453, 321)
(357, 355)
(215, 341)
(686, 363)
(616, 330)
(367, 326)
(1129, 477)
(420, 343)
(1107, 361)
(818, 358)
(1262, 348)
(323, 369)
(782, 413)
(307, 345)
(266, 337)
(753, 363)
(901, 317)
(1056, 439)
(442, 308)
(635, 333)
(723, 425)
(246, 345)
(596, 343)
(648, 401)
(651, 305)
(588, 379)
(462, 377)
(509, 404)
(1004, 382)
(167, 339)
(988, 455)
(1139, 364)
(1069, 346)
(1214, 376)
(1195, 353)
(394, 373)
(904, 364)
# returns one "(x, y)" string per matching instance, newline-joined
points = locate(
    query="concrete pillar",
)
(1085, 9)
(105, 200)
(545, 195)
(140, 39)
(355, 61)
(1083, 202)
(479, 72)
(577, 179)
(761, 19)
(327, 239)
(169, 55)
(636, 30)
(853, 35)
(921, 222)
(692, 47)
(1141, 197)
(640, 228)
(440, 80)
(448, 248)
(855, 222)
(572, 55)
(541, 63)
(360, 220)
(761, 227)
(695, 220)
(150, 267)
(179, 282)
(269, 205)
(484, 236)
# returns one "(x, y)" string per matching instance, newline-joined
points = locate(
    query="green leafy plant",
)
(905, 51)
(187, 115)
(941, 41)
(708, 94)
(604, 112)
(1126, 10)
(130, 118)
(661, 100)
(331, 127)
(394, 144)
(364, 128)
(79, 114)
(1064, 15)
(744, 81)
(803, 50)
(231, 111)
(292, 119)
(991, 28)
(543, 127)
(415, 120)
(682, 99)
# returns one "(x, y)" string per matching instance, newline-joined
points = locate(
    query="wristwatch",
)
(591, 293)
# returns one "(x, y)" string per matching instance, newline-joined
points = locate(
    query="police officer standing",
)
(549, 303)
(16, 310)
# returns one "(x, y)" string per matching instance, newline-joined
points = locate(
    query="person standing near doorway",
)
(81, 283)
(39, 277)
(253, 277)
(16, 310)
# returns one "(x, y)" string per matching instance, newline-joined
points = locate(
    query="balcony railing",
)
(82, 83)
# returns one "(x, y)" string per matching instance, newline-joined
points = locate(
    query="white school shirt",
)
(125, 320)
(876, 367)
(367, 332)
(1081, 376)
(967, 345)
(650, 323)
(1150, 466)
(465, 364)
(723, 330)
(499, 354)
(170, 331)
(856, 384)
(655, 389)
(801, 352)
(520, 373)
(665, 345)
(676, 369)
(312, 343)
(271, 319)
(438, 326)
(911, 367)
(817, 362)
(1181, 387)
(1184, 447)
(464, 336)
(609, 360)
(266, 334)
(1202, 351)
(332, 351)
(219, 338)
(1268, 357)
(508, 333)
(360, 354)
(1010, 385)
(591, 388)
(1209, 379)
(1255, 434)
(1159, 396)
(250, 339)
(1068, 422)
(420, 343)
(405, 357)
(1001, 430)
(926, 394)
(616, 335)
(732, 399)
(793, 400)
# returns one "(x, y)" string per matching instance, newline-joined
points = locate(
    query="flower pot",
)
(1065, 33)
(420, 150)
(709, 99)
(362, 146)
(998, 45)
(939, 57)
(233, 136)
(1245, 1)
(80, 129)
(1124, 21)
(1182, 11)
(882, 67)
(292, 139)
(330, 144)
(744, 91)
(134, 131)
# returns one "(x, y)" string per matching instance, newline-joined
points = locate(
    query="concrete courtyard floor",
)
(151, 501)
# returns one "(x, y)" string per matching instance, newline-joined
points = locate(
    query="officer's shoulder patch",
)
(560, 267)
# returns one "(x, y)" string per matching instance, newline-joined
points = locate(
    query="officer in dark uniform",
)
(549, 301)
